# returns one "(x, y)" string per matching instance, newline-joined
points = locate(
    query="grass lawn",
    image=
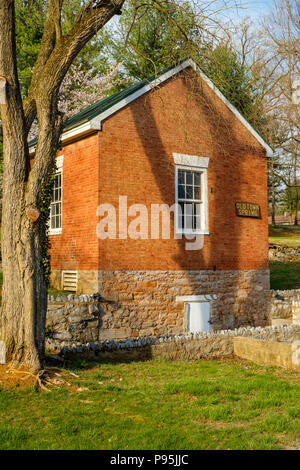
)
(284, 275)
(157, 405)
(284, 235)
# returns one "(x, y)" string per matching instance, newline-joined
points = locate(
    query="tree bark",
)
(18, 326)
(273, 193)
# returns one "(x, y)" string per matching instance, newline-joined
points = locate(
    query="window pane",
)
(197, 178)
(189, 192)
(189, 177)
(196, 209)
(181, 176)
(188, 208)
(180, 221)
(197, 225)
(197, 192)
(189, 221)
(181, 192)
(55, 208)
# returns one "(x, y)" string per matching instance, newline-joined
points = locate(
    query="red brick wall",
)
(77, 246)
(135, 159)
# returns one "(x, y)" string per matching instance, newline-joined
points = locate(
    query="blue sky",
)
(255, 9)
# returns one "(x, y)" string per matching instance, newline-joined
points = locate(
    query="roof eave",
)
(76, 132)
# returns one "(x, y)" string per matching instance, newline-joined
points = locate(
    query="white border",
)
(196, 162)
(59, 166)
(95, 124)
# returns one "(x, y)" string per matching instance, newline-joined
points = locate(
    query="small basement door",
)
(198, 316)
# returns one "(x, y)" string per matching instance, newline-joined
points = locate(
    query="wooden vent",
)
(69, 280)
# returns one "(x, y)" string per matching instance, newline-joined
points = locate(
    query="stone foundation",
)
(143, 303)
(88, 281)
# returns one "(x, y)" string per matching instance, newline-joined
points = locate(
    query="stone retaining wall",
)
(148, 298)
(283, 303)
(175, 347)
(284, 253)
(272, 353)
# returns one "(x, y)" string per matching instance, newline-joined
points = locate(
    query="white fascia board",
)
(85, 127)
(94, 124)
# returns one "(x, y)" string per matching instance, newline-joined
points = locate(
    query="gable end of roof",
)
(90, 119)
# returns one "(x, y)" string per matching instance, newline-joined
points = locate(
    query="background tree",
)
(282, 67)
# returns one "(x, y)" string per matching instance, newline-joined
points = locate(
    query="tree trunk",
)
(273, 193)
(296, 189)
(296, 210)
(24, 294)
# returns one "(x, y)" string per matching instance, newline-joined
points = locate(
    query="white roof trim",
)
(95, 124)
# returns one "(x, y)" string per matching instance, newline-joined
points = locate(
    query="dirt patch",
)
(20, 379)
(47, 380)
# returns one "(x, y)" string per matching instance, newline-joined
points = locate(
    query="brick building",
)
(173, 138)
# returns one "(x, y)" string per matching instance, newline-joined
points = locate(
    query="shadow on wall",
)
(205, 127)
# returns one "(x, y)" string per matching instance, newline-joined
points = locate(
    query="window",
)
(191, 194)
(189, 199)
(55, 223)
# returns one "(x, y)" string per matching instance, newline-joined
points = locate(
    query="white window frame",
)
(59, 166)
(192, 163)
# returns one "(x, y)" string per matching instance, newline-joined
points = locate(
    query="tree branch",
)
(52, 34)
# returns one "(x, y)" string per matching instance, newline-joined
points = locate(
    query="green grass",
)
(157, 405)
(284, 275)
(284, 235)
(55, 292)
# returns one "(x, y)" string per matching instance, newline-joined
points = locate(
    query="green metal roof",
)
(97, 108)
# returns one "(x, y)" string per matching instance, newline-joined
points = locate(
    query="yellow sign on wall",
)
(247, 209)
